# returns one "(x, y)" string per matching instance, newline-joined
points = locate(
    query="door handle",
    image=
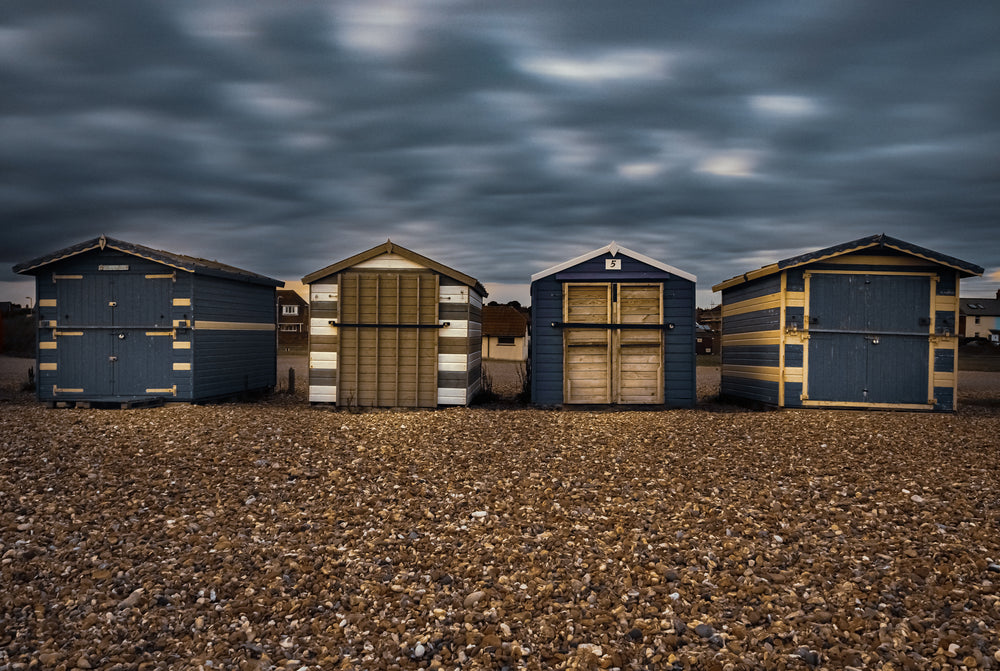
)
(112, 358)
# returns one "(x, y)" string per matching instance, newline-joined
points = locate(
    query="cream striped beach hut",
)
(392, 328)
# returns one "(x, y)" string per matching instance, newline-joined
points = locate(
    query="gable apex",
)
(614, 249)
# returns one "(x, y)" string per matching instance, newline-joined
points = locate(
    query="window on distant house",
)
(289, 310)
(977, 319)
(291, 328)
(505, 340)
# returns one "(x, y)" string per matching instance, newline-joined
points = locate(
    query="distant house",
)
(293, 320)
(505, 333)
(980, 318)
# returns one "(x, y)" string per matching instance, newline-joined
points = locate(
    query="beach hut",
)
(120, 323)
(870, 323)
(613, 327)
(392, 328)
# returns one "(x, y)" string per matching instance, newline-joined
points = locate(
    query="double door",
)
(114, 335)
(388, 339)
(869, 338)
(604, 360)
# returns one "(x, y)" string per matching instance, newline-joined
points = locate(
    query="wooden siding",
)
(128, 333)
(562, 358)
(767, 345)
(434, 361)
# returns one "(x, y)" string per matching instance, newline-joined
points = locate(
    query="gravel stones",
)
(274, 536)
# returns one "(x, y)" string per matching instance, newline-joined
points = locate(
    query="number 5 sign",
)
(612, 264)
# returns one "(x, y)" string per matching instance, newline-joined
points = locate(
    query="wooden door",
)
(639, 370)
(388, 339)
(603, 360)
(587, 369)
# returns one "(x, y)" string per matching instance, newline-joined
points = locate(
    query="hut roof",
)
(389, 247)
(503, 321)
(614, 249)
(179, 261)
(881, 241)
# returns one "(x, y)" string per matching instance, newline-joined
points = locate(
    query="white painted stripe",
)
(322, 394)
(388, 262)
(449, 294)
(476, 300)
(323, 356)
(323, 330)
(323, 292)
(450, 396)
(320, 322)
(458, 328)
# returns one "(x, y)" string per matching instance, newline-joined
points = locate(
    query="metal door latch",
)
(112, 358)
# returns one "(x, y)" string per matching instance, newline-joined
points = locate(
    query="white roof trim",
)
(614, 249)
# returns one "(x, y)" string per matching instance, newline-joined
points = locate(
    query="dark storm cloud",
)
(499, 139)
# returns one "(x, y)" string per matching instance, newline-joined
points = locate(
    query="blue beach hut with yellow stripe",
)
(870, 323)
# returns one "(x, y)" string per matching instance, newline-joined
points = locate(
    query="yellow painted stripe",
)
(768, 373)
(67, 277)
(168, 276)
(47, 303)
(944, 379)
(795, 299)
(793, 375)
(887, 406)
(57, 390)
(182, 302)
(48, 344)
(48, 366)
(754, 338)
(182, 323)
(182, 366)
(171, 390)
(769, 302)
(233, 326)
(159, 333)
(182, 344)
(68, 333)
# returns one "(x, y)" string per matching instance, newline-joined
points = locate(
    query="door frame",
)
(613, 334)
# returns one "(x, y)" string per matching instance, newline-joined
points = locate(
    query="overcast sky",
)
(499, 138)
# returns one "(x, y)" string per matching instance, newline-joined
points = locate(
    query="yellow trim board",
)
(875, 406)
(232, 326)
(48, 344)
(182, 344)
(48, 366)
(47, 303)
(182, 366)
(182, 302)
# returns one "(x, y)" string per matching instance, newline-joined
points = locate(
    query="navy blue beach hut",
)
(613, 327)
(119, 323)
(870, 323)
